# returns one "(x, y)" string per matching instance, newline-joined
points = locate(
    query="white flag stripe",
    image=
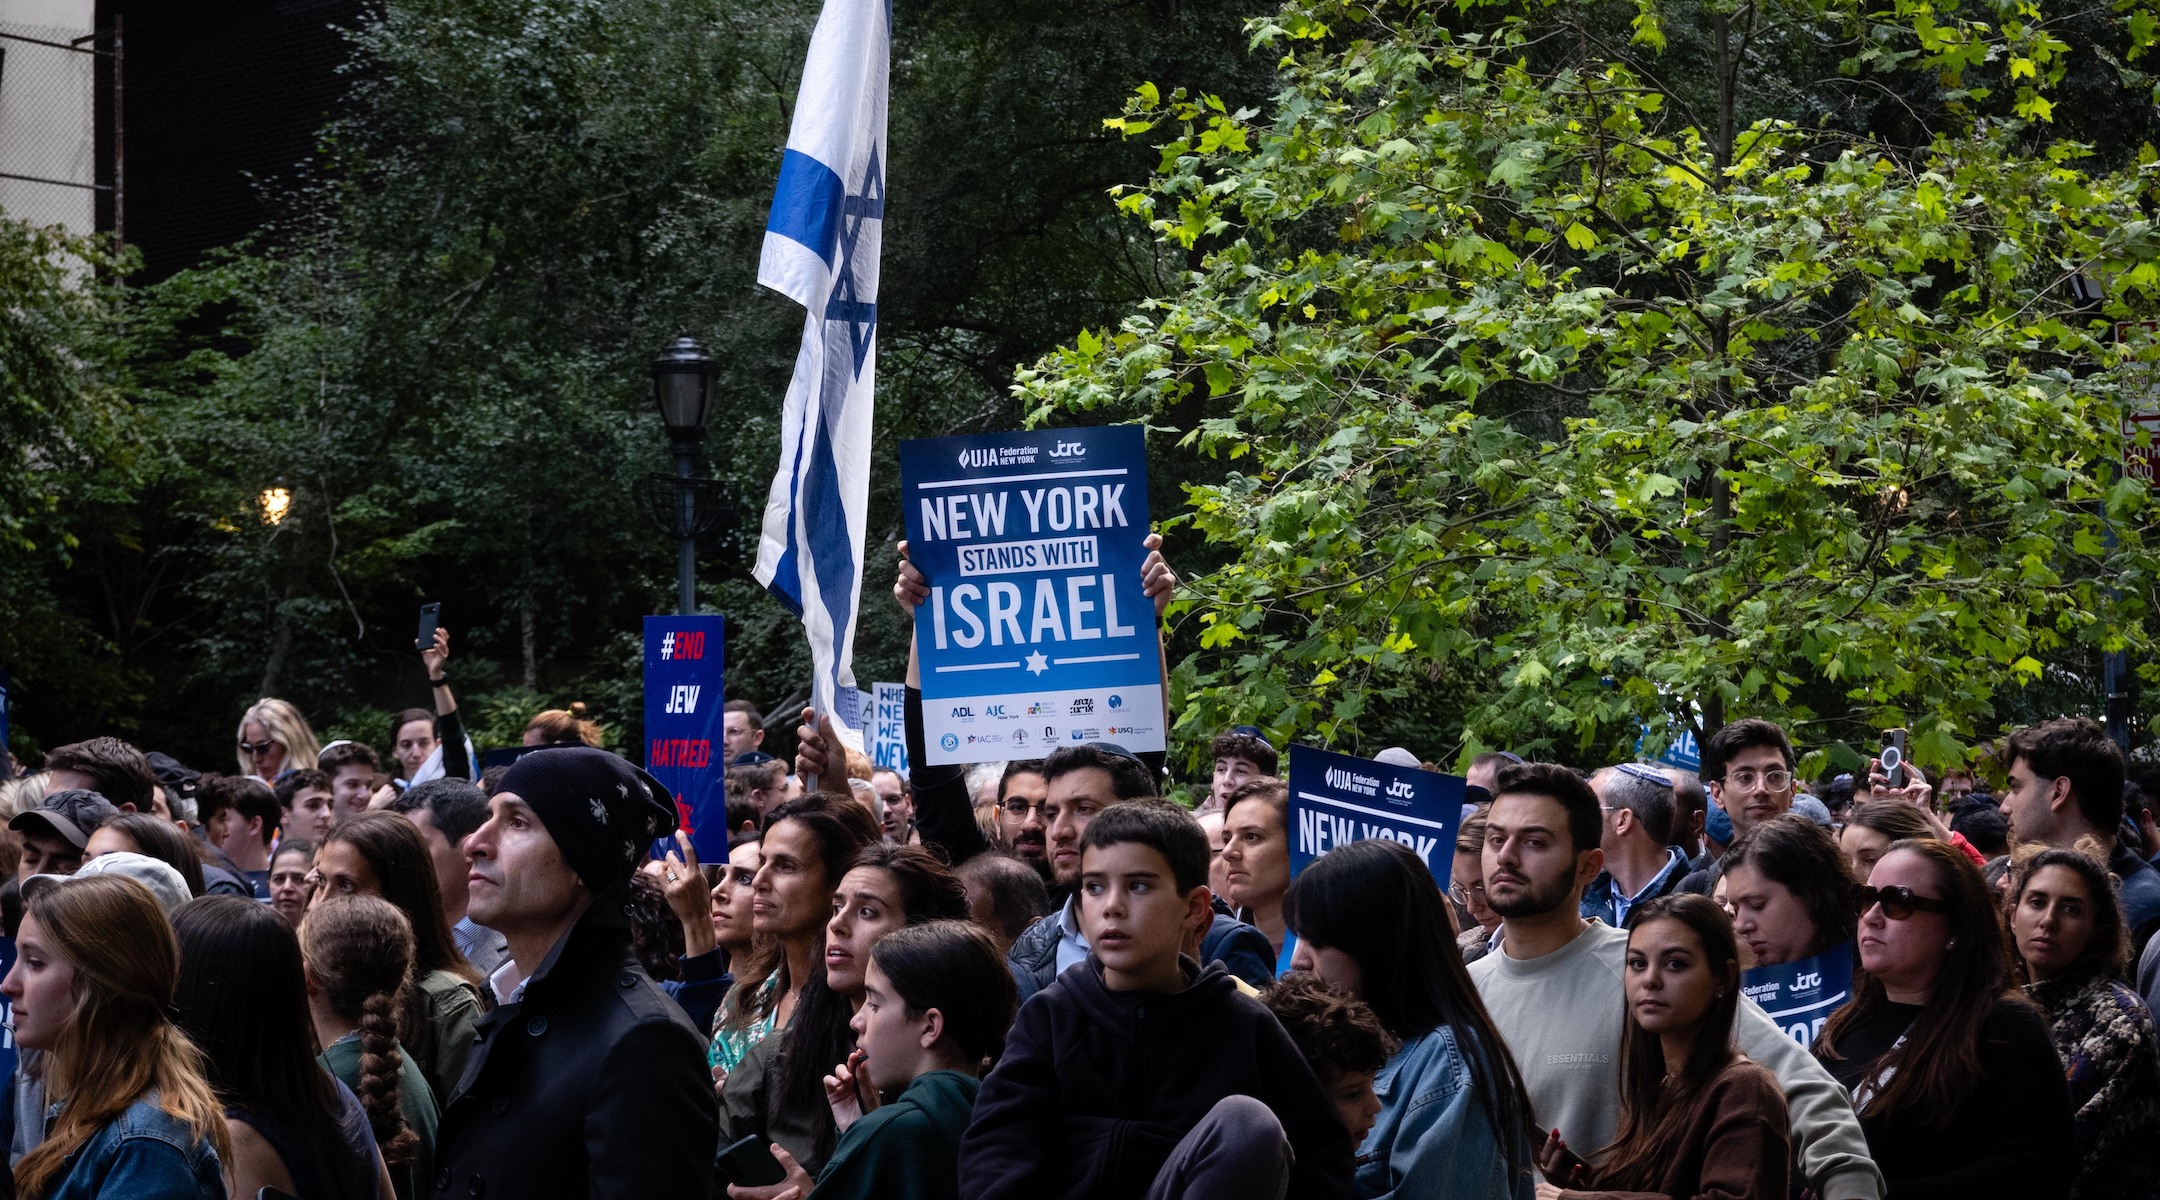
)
(821, 250)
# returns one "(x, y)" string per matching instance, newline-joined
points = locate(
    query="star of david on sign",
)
(847, 303)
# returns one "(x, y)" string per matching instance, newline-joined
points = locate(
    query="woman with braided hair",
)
(359, 953)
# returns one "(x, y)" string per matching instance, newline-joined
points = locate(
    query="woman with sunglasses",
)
(1952, 1072)
(274, 738)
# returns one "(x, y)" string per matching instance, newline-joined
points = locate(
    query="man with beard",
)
(1022, 827)
(1555, 984)
(1083, 781)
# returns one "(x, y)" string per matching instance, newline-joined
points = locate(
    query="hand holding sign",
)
(1032, 575)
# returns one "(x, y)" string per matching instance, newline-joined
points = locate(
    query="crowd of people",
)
(337, 973)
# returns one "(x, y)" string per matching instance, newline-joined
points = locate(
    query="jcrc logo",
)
(1084, 706)
(950, 742)
(1401, 790)
(1116, 701)
(1069, 450)
(676, 646)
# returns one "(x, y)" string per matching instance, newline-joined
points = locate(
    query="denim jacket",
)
(143, 1154)
(1432, 1139)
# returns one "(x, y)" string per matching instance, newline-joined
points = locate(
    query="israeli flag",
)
(821, 250)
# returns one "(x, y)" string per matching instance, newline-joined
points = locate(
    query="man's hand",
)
(1156, 577)
(820, 752)
(910, 589)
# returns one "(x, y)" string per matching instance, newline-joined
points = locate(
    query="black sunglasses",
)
(256, 747)
(1899, 903)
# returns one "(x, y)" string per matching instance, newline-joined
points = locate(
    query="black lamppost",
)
(684, 507)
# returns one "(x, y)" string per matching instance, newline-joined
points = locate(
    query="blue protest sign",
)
(1036, 633)
(1800, 996)
(1336, 799)
(684, 701)
(888, 728)
(1681, 751)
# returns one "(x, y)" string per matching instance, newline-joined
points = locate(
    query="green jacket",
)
(908, 1149)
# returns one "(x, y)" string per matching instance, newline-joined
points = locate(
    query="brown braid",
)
(359, 956)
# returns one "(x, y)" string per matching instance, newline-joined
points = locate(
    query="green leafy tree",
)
(439, 349)
(1546, 371)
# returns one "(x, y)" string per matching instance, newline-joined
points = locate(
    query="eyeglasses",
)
(1899, 903)
(1018, 809)
(1463, 895)
(257, 749)
(1746, 780)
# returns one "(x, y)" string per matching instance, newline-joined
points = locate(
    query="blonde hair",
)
(19, 796)
(117, 1043)
(564, 726)
(285, 726)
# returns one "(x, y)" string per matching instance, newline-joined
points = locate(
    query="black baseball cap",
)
(73, 813)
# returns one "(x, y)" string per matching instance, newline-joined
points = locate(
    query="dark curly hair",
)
(1335, 1033)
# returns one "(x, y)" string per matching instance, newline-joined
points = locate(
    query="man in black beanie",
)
(586, 1079)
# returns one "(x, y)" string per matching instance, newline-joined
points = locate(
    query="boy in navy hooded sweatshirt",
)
(1140, 1073)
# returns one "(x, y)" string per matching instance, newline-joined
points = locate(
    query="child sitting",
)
(1341, 1038)
(1139, 1072)
(937, 999)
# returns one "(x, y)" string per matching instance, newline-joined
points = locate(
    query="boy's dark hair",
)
(456, 807)
(117, 771)
(1744, 734)
(1159, 825)
(1335, 1033)
(1236, 743)
(246, 796)
(1129, 777)
(2072, 748)
(746, 708)
(348, 754)
(1985, 827)
(1586, 820)
(1016, 891)
(491, 780)
(295, 782)
(1018, 766)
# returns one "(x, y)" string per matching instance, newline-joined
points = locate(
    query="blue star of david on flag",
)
(822, 241)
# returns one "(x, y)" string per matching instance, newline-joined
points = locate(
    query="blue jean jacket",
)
(143, 1154)
(1432, 1140)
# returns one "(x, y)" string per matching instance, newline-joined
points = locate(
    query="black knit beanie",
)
(602, 812)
